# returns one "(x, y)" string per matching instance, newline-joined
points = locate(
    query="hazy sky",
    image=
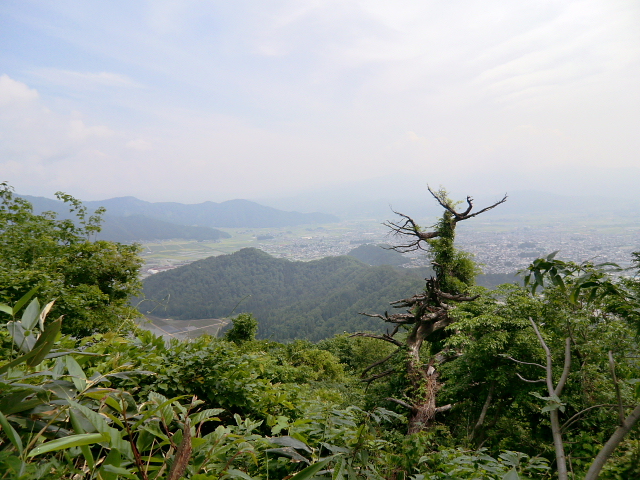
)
(213, 100)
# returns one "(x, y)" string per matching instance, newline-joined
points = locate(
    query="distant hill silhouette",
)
(141, 226)
(231, 214)
(132, 228)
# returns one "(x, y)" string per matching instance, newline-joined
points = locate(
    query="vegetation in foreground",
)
(539, 377)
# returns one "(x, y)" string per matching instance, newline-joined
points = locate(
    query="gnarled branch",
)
(458, 217)
(386, 338)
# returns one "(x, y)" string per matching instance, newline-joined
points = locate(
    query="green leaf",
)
(78, 377)
(511, 475)
(552, 255)
(6, 309)
(25, 298)
(24, 339)
(205, 415)
(119, 471)
(69, 442)
(289, 453)
(539, 279)
(290, 442)
(77, 427)
(233, 473)
(30, 315)
(310, 471)
(11, 433)
(45, 342)
(338, 471)
(17, 361)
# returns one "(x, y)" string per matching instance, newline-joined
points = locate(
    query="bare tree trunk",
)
(426, 386)
(612, 443)
(483, 412)
(556, 429)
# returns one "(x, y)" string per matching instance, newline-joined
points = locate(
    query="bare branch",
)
(444, 408)
(575, 417)
(549, 367)
(445, 356)
(403, 403)
(379, 375)
(409, 302)
(456, 298)
(379, 362)
(530, 381)
(386, 338)
(612, 366)
(408, 227)
(504, 199)
(442, 203)
(483, 412)
(467, 213)
(523, 363)
(566, 368)
(556, 431)
(612, 443)
(401, 318)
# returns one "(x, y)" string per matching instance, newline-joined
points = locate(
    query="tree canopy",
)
(92, 280)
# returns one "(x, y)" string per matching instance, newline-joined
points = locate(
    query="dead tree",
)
(428, 312)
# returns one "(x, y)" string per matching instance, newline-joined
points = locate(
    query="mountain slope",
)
(310, 300)
(378, 255)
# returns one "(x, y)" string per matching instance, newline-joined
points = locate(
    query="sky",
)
(214, 100)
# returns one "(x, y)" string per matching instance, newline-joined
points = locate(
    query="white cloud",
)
(13, 91)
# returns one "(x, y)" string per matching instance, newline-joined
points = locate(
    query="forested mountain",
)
(310, 300)
(377, 255)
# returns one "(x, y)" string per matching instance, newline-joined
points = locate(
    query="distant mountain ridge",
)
(133, 228)
(229, 214)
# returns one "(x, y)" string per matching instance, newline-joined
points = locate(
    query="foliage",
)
(91, 280)
(244, 329)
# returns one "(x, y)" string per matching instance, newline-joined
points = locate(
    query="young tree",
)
(429, 312)
(92, 281)
(244, 329)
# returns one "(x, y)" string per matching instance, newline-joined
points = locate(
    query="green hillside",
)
(140, 228)
(377, 255)
(311, 300)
